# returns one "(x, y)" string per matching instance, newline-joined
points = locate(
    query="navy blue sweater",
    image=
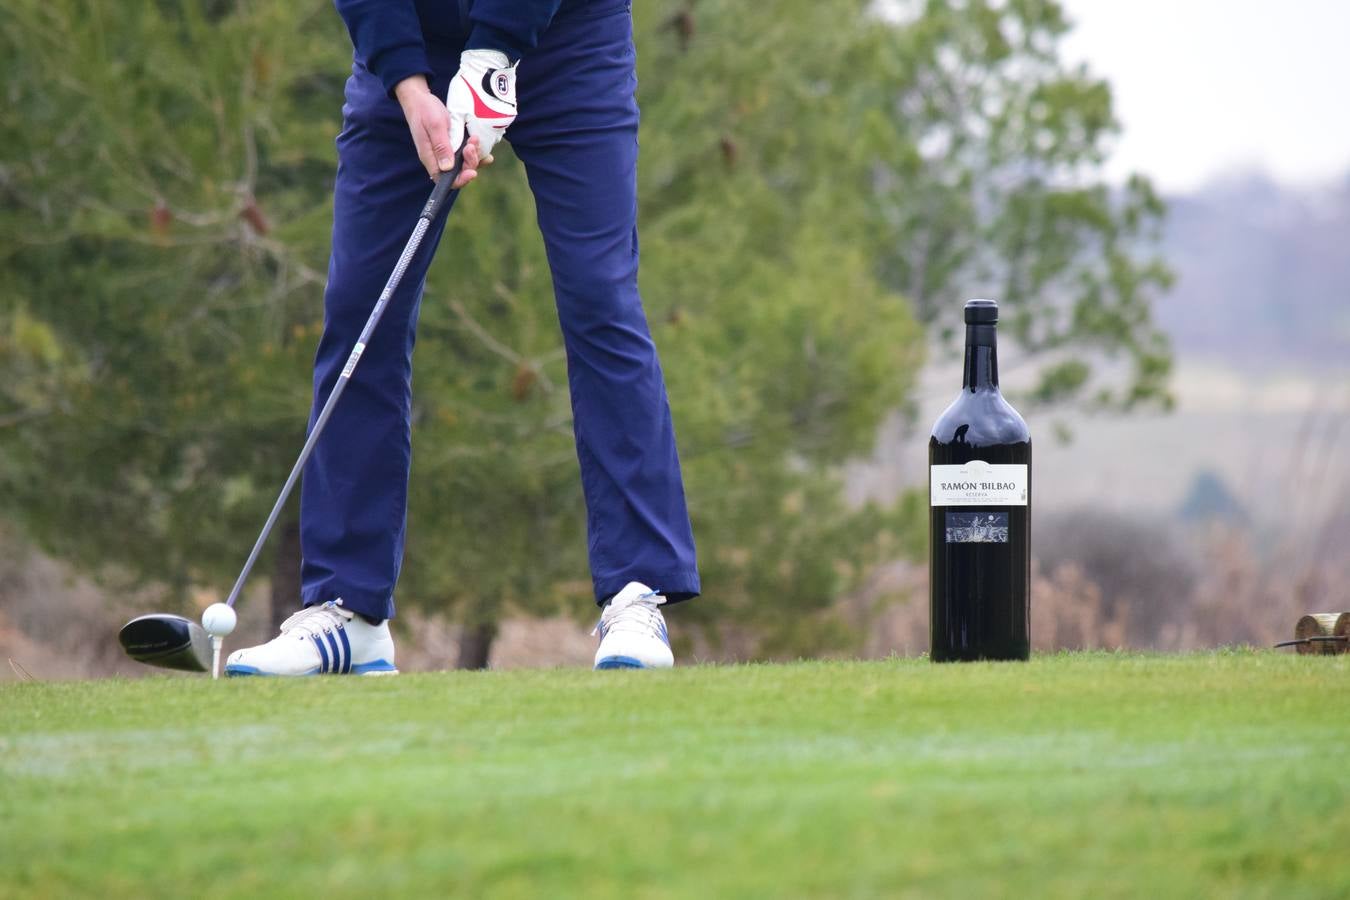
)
(391, 36)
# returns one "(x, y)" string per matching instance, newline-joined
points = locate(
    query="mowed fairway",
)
(1074, 776)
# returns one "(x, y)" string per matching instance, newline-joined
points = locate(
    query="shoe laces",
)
(637, 614)
(314, 620)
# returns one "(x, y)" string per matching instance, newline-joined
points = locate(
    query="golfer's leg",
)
(355, 489)
(577, 135)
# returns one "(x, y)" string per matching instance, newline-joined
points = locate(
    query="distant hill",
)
(1263, 274)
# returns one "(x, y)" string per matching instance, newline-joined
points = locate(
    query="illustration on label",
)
(978, 483)
(977, 527)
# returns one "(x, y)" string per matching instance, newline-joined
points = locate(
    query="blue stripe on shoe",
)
(236, 669)
(347, 648)
(323, 653)
(336, 667)
(620, 662)
(370, 668)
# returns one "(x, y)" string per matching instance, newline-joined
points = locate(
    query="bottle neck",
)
(981, 359)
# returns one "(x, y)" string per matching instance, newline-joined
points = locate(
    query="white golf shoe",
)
(320, 640)
(633, 632)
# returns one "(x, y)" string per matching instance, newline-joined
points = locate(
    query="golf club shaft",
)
(428, 215)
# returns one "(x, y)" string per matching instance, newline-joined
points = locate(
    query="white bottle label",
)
(977, 483)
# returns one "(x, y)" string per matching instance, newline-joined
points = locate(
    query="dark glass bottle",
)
(979, 463)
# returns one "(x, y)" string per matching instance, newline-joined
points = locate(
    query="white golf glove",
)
(482, 98)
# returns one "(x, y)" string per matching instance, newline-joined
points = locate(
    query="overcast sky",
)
(1207, 87)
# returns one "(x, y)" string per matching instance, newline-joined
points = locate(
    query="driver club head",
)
(170, 642)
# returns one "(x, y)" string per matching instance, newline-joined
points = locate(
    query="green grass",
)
(1078, 775)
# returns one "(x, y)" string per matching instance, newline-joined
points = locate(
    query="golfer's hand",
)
(482, 99)
(429, 122)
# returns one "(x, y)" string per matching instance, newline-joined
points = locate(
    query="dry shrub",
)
(58, 625)
(1144, 569)
(1253, 592)
(1068, 613)
(890, 610)
(429, 642)
(1101, 581)
(53, 624)
(1105, 581)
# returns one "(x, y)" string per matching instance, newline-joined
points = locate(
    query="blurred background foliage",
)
(822, 185)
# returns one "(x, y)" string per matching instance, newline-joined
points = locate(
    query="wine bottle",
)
(979, 498)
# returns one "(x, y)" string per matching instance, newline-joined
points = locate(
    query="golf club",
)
(170, 642)
(174, 642)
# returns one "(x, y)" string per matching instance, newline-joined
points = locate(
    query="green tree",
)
(165, 179)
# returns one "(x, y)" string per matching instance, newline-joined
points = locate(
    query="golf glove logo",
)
(482, 98)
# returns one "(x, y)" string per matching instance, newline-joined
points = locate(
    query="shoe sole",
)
(377, 668)
(620, 662)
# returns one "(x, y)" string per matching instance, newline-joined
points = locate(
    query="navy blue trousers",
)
(577, 137)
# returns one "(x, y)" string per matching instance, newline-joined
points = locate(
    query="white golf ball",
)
(219, 619)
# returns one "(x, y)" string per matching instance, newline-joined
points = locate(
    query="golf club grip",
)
(444, 185)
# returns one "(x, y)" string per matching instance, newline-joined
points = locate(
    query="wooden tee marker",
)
(1322, 634)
